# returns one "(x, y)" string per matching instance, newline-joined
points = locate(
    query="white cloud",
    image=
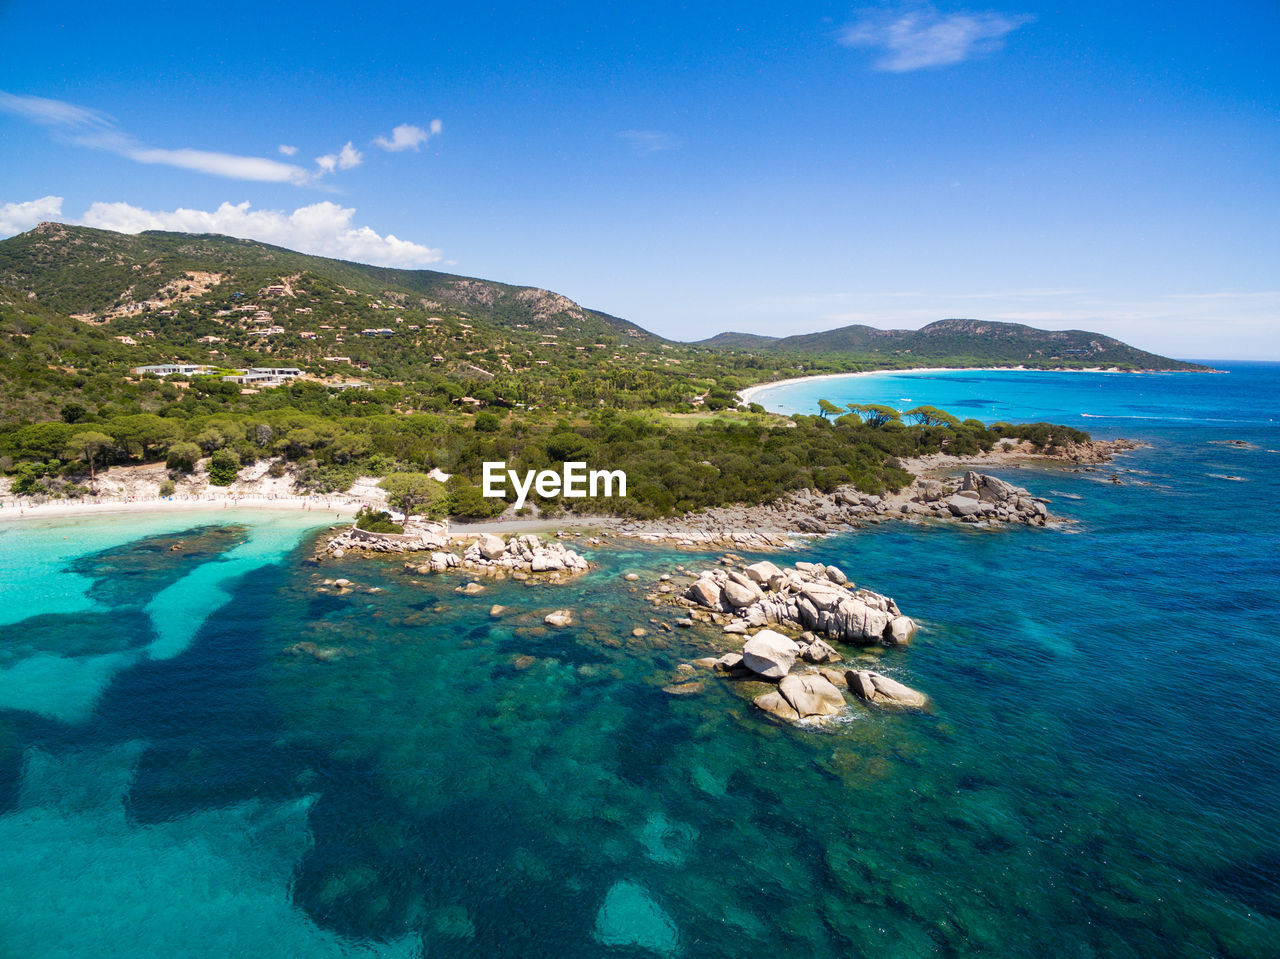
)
(52, 112)
(287, 150)
(89, 128)
(20, 217)
(408, 137)
(222, 164)
(344, 159)
(324, 229)
(645, 142)
(919, 35)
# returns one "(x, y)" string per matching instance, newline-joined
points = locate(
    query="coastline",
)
(768, 526)
(749, 393)
(17, 512)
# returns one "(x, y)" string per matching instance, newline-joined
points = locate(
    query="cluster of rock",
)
(811, 512)
(978, 498)
(809, 597)
(491, 555)
(815, 694)
(1095, 451)
(820, 604)
(417, 537)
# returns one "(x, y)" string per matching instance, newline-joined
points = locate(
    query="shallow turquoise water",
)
(1100, 776)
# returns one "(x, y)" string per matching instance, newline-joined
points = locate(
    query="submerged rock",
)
(630, 917)
(559, 618)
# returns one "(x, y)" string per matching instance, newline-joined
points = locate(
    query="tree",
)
(223, 467)
(210, 439)
(932, 416)
(73, 413)
(87, 446)
(828, 408)
(141, 431)
(183, 456)
(409, 491)
(876, 415)
(469, 502)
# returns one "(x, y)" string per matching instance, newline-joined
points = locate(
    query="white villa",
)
(173, 369)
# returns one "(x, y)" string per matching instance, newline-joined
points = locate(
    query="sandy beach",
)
(749, 394)
(12, 510)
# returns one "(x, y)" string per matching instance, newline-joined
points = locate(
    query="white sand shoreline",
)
(748, 395)
(20, 510)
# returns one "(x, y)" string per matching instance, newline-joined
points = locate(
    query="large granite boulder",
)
(761, 573)
(705, 592)
(770, 654)
(900, 630)
(818, 652)
(962, 506)
(811, 694)
(491, 547)
(738, 595)
(883, 691)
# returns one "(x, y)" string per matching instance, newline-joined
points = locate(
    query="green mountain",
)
(80, 307)
(82, 271)
(958, 342)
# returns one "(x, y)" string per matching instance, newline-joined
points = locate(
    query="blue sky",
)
(694, 168)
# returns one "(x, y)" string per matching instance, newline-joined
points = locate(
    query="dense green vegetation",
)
(452, 372)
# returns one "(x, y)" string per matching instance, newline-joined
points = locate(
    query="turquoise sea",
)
(1100, 775)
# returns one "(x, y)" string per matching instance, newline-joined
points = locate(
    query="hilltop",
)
(174, 293)
(959, 342)
(85, 271)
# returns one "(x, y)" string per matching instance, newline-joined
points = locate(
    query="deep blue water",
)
(1099, 776)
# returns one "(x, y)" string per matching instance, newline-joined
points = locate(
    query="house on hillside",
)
(264, 376)
(173, 369)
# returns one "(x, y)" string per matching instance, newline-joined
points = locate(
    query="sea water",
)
(205, 751)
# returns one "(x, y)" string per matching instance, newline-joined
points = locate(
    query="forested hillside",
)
(408, 371)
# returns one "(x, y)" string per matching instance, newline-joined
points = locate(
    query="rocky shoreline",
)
(975, 498)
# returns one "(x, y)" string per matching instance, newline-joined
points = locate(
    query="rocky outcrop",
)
(813, 601)
(491, 555)
(810, 512)
(417, 537)
(527, 553)
(809, 597)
